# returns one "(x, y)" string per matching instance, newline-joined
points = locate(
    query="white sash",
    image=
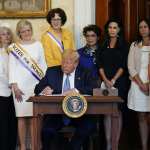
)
(26, 61)
(57, 42)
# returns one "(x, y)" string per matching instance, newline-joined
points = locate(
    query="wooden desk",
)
(53, 105)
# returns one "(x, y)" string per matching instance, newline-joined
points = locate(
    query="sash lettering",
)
(26, 61)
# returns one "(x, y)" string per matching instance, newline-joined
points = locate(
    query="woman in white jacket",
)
(138, 97)
(7, 112)
(26, 67)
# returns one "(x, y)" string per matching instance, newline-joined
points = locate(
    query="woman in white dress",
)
(26, 67)
(7, 112)
(138, 97)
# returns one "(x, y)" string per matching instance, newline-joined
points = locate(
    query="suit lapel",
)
(60, 81)
(77, 77)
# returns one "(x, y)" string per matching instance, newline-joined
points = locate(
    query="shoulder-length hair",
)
(138, 36)
(22, 23)
(3, 29)
(120, 37)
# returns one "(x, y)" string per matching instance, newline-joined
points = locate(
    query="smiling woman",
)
(138, 64)
(26, 67)
(7, 112)
(24, 8)
(56, 39)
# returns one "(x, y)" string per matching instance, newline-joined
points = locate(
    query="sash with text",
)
(26, 61)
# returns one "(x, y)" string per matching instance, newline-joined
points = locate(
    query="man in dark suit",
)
(80, 81)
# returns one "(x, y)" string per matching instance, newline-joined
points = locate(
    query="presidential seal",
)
(74, 105)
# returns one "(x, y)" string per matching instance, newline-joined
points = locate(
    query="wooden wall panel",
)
(126, 21)
(148, 9)
(142, 9)
(133, 19)
(128, 11)
(101, 12)
(116, 9)
(106, 9)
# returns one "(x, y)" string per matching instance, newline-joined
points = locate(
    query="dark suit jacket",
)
(84, 80)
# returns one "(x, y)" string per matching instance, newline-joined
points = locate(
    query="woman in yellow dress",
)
(56, 38)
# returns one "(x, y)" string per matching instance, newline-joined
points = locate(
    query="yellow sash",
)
(26, 60)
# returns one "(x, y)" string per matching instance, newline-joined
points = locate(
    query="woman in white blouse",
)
(138, 97)
(7, 112)
(26, 67)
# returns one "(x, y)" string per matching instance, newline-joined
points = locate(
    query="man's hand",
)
(71, 91)
(47, 91)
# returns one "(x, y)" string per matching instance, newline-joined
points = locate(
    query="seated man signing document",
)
(54, 82)
(65, 79)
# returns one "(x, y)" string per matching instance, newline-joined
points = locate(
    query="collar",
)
(71, 74)
(89, 51)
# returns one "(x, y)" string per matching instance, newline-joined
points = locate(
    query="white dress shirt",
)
(71, 80)
(4, 86)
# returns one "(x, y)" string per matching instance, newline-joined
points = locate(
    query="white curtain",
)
(84, 15)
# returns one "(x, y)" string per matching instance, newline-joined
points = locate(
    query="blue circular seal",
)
(74, 105)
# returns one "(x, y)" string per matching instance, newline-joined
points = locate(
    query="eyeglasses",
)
(56, 20)
(5, 34)
(90, 35)
(24, 31)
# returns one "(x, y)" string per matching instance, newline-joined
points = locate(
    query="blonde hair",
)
(2, 29)
(21, 24)
(71, 54)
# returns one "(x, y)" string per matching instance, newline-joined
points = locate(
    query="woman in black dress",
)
(113, 69)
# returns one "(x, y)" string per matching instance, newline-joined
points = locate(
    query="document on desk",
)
(51, 94)
(60, 95)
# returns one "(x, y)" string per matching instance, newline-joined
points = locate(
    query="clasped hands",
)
(109, 83)
(144, 87)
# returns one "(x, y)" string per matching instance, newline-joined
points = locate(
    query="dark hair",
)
(93, 28)
(120, 38)
(58, 11)
(139, 37)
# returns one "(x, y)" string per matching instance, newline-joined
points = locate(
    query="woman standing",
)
(112, 68)
(138, 97)
(26, 67)
(56, 38)
(7, 111)
(88, 52)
